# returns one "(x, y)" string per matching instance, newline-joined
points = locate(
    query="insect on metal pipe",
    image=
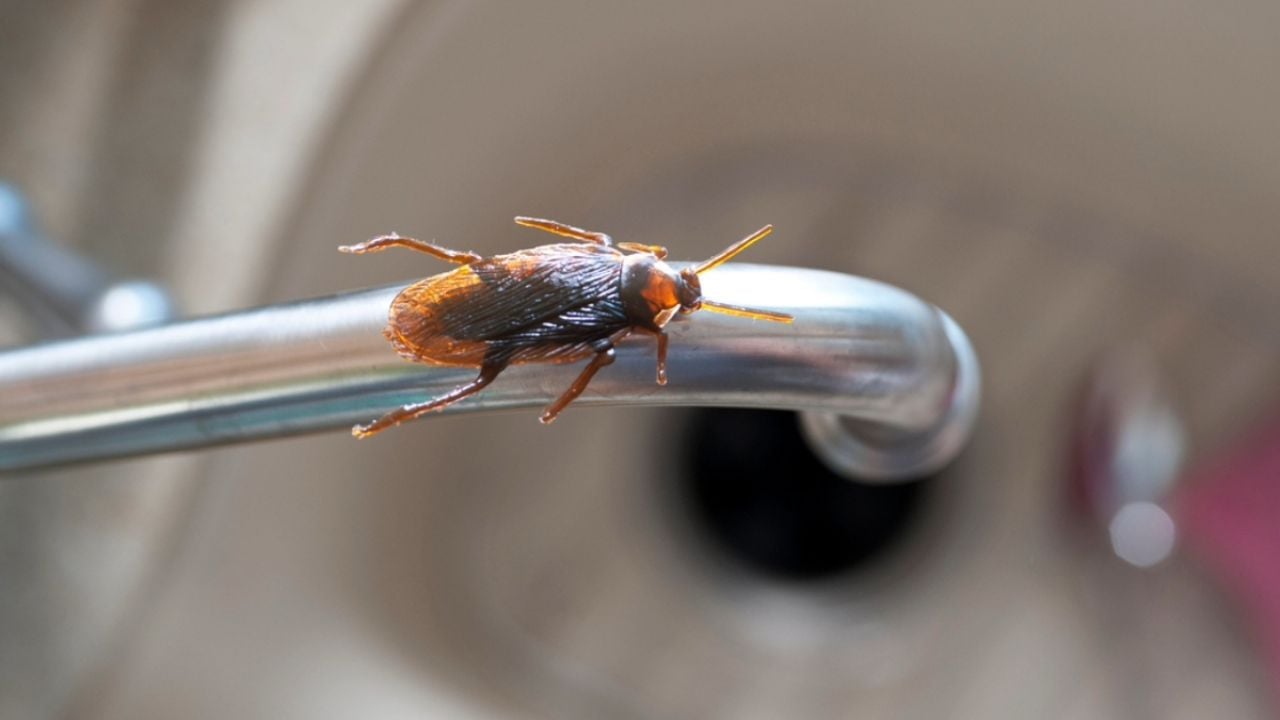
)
(556, 303)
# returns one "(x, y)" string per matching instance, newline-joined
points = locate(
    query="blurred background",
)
(1090, 189)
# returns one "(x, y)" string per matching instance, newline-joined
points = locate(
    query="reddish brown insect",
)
(554, 303)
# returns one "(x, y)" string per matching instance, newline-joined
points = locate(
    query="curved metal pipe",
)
(64, 292)
(889, 383)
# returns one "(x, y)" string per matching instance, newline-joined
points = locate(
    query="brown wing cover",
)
(544, 304)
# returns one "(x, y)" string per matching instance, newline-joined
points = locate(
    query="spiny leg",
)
(569, 231)
(656, 250)
(383, 242)
(416, 410)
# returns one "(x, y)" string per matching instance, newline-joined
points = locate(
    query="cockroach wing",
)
(545, 304)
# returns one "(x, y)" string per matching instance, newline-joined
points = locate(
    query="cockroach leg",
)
(416, 410)
(601, 359)
(383, 242)
(557, 228)
(605, 356)
(662, 358)
(655, 250)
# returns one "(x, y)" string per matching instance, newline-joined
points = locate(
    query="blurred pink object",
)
(1229, 513)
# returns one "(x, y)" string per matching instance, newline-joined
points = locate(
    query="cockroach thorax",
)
(652, 291)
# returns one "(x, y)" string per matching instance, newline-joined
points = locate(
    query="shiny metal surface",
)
(858, 349)
(64, 292)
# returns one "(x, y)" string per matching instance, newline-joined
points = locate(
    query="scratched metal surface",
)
(1058, 178)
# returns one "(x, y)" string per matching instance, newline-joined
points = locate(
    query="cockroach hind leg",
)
(416, 410)
(378, 244)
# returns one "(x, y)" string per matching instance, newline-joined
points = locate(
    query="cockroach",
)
(554, 303)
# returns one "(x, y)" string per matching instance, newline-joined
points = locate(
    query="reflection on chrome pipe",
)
(897, 372)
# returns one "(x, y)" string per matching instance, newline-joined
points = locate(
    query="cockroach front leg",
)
(383, 242)
(417, 410)
(661, 337)
(604, 356)
(569, 231)
(662, 357)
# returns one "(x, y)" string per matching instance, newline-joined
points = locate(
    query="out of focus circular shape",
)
(130, 305)
(1142, 534)
(755, 490)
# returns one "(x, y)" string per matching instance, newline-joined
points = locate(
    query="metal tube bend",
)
(887, 384)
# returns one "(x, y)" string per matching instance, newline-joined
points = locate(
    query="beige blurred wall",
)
(202, 143)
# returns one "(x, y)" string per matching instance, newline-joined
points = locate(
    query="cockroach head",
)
(689, 291)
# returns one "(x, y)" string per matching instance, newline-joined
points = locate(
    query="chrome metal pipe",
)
(889, 383)
(63, 292)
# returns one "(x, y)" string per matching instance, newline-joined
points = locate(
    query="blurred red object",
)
(1229, 512)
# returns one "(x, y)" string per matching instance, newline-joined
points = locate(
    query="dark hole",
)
(753, 486)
